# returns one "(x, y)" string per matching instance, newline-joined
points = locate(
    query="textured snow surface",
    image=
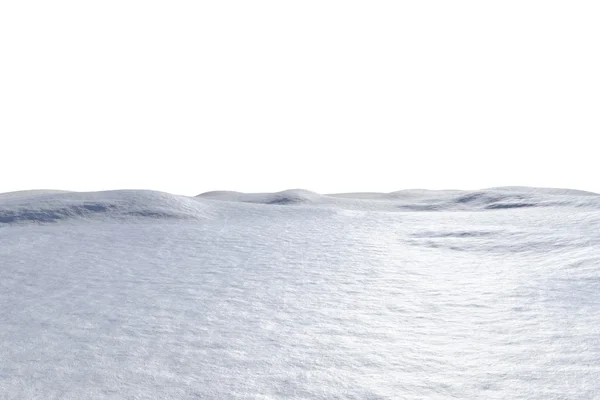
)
(492, 294)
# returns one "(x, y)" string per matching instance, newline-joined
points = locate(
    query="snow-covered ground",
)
(493, 294)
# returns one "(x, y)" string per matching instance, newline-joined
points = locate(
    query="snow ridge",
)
(54, 206)
(422, 200)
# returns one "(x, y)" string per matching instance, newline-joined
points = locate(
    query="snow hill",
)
(413, 294)
(52, 206)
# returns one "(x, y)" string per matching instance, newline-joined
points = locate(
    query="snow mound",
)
(399, 195)
(544, 191)
(292, 196)
(490, 199)
(524, 197)
(53, 206)
(21, 194)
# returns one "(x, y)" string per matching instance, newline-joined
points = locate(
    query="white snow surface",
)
(490, 294)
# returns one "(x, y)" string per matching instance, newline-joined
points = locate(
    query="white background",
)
(330, 96)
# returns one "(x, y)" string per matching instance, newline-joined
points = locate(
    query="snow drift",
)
(54, 206)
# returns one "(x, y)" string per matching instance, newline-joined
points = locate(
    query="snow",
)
(489, 294)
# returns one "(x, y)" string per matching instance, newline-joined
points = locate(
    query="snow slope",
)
(415, 294)
(422, 200)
